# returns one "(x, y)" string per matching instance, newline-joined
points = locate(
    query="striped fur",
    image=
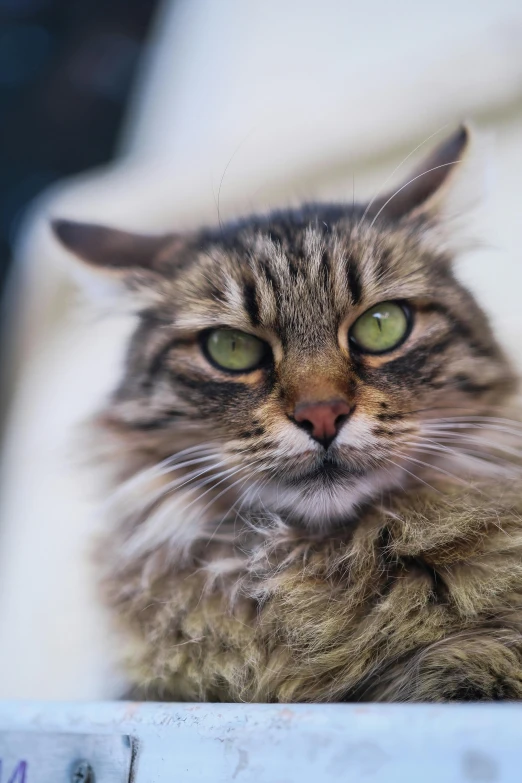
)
(242, 560)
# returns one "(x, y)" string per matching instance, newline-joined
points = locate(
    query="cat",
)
(313, 463)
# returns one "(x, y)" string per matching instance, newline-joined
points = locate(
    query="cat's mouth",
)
(328, 492)
(328, 472)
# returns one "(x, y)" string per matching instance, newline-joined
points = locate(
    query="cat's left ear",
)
(435, 188)
(110, 249)
(112, 261)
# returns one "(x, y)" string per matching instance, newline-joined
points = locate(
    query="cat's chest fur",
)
(389, 612)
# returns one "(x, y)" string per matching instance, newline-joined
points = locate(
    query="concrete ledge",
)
(286, 743)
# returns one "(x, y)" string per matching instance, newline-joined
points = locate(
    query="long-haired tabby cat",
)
(315, 468)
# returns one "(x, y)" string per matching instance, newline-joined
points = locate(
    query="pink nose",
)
(322, 420)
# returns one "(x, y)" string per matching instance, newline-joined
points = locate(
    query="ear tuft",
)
(109, 248)
(426, 186)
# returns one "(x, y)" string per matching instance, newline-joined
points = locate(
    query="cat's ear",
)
(428, 188)
(114, 261)
(109, 248)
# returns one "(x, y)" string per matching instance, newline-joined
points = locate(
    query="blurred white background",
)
(256, 105)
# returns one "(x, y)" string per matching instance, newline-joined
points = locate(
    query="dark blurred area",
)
(66, 69)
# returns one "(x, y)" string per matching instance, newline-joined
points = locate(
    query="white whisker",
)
(413, 475)
(432, 466)
(434, 168)
(403, 161)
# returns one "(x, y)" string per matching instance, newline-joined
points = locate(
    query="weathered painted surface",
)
(56, 757)
(222, 743)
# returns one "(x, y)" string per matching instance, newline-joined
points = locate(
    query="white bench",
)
(129, 742)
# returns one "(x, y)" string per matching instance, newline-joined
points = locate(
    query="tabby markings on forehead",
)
(314, 248)
(250, 302)
(354, 281)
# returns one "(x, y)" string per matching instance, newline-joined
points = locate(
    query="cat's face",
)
(308, 351)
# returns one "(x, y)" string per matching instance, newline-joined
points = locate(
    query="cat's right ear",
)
(427, 188)
(114, 261)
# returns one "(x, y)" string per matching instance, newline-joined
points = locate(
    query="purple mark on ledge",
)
(19, 774)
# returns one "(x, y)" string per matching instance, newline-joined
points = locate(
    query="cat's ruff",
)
(421, 602)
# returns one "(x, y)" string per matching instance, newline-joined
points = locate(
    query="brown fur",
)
(421, 602)
(245, 559)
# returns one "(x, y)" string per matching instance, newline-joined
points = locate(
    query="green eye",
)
(233, 350)
(381, 328)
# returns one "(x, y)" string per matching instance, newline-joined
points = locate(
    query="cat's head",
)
(299, 360)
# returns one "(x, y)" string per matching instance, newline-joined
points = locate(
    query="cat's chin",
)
(329, 498)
